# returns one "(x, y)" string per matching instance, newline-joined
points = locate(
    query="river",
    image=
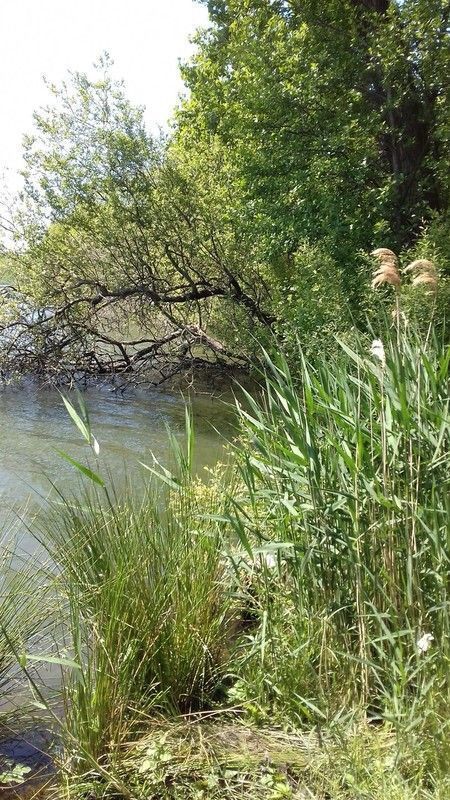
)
(34, 425)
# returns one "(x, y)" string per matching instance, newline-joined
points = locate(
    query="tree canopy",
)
(334, 114)
(311, 133)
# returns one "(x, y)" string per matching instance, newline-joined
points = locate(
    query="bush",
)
(313, 303)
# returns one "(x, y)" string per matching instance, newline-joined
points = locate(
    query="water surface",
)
(34, 425)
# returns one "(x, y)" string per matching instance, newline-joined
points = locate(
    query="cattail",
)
(387, 271)
(424, 273)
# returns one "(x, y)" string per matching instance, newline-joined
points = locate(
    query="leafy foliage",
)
(309, 135)
(122, 239)
(333, 117)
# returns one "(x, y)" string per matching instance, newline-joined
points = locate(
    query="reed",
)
(26, 620)
(387, 271)
(345, 478)
(424, 273)
(148, 614)
(306, 589)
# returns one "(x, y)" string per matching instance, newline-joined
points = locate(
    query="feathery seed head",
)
(426, 278)
(387, 271)
(384, 254)
(420, 265)
(424, 273)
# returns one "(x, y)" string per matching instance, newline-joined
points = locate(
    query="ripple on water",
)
(34, 425)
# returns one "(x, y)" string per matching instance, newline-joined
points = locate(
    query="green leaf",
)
(62, 662)
(88, 473)
(76, 418)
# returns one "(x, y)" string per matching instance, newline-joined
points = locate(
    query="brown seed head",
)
(387, 271)
(425, 278)
(424, 273)
(420, 265)
(385, 255)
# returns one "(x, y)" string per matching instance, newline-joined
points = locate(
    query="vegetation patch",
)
(279, 629)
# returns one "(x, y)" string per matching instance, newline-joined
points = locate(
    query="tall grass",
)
(336, 617)
(345, 477)
(148, 613)
(26, 609)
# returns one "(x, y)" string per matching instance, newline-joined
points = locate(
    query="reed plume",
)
(387, 271)
(424, 273)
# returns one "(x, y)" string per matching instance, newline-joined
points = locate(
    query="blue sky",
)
(145, 38)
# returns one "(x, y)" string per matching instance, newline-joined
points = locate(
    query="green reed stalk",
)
(351, 469)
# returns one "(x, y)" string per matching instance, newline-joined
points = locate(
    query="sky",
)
(145, 38)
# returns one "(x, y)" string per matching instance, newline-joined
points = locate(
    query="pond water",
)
(34, 425)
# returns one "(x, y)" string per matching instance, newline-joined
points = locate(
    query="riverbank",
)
(195, 759)
(276, 627)
(213, 758)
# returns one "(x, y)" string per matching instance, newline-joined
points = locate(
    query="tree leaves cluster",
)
(334, 113)
(120, 237)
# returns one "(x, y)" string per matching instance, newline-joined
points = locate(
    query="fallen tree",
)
(128, 246)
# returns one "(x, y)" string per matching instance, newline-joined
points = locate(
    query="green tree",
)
(333, 115)
(131, 246)
(311, 133)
